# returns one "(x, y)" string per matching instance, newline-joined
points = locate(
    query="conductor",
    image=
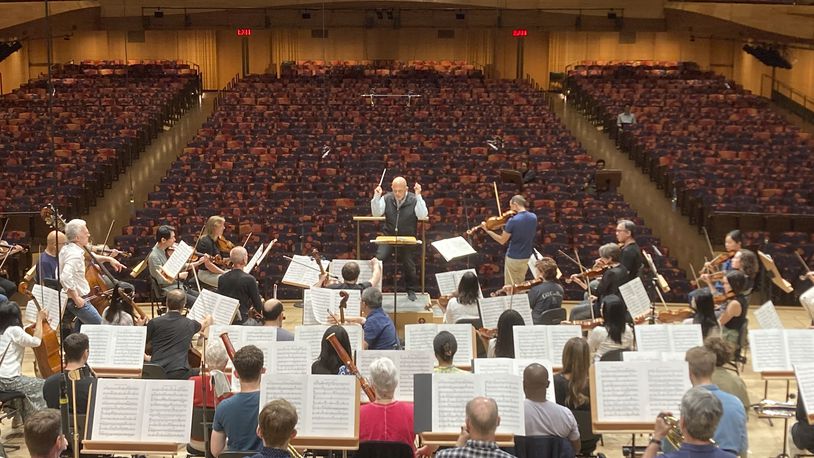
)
(401, 210)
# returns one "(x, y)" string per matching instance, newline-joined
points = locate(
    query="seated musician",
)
(544, 417)
(801, 439)
(733, 242)
(445, 346)
(165, 239)
(726, 379)
(171, 337)
(734, 312)
(704, 306)
(464, 303)
(209, 244)
(276, 425)
(701, 413)
(239, 285)
(8, 287)
(47, 264)
(572, 386)
(746, 261)
(380, 333)
(217, 387)
(615, 333)
(76, 350)
(477, 438)
(273, 316)
(120, 312)
(235, 425)
(614, 276)
(350, 277)
(502, 346)
(328, 361)
(548, 294)
(43, 434)
(386, 419)
(13, 343)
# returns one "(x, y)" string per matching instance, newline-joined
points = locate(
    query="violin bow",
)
(572, 259)
(802, 261)
(587, 281)
(107, 237)
(709, 243)
(694, 276)
(247, 239)
(8, 251)
(497, 198)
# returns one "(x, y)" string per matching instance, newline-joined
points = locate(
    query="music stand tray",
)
(396, 241)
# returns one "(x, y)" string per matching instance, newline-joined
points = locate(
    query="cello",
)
(49, 360)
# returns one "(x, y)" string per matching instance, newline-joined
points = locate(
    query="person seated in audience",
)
(615, 333)
(545, 417)
(273, 315)
(614, 276)
(328, 361)
(477, 438)
(164, 239)
(701, 413)
(548, 294)
(730, 435)
(386, 419)
(350, 277)
(571, 385)
(380, 333)
(234, 427)
(734, 312)
(276, 425)
(240, 285)
(171, 336)
(43, 434)
(726, 379)
(704, 306)
(801, 439)
(13, 343)
(625, 119)
(464, 303)
(502, 346)
(445, 346)
(76, 349)
(120, 312)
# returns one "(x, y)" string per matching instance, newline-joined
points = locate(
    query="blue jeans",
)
(84, 315)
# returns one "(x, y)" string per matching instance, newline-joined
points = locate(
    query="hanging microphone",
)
(326, 150)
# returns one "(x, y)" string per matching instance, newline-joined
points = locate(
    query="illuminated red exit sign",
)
(520, 33)
(244, 32)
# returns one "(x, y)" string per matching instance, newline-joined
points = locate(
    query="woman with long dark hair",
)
(503, 345)
(616, 333)
(120, 311)
(704, 306)
(328, 361)
(464, 304)
(734, 314)
(13, 342)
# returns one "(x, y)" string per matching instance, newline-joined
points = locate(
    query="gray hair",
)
(372, 297)
(384, 376)
(482, 415)
(216, 357)
(610, 251)
(73, 227)
(238, 255)
(519, 200)
(700, 411)
(629, 226)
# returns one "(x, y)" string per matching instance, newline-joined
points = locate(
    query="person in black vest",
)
(401, 211)
(631, 253)
(240, 285)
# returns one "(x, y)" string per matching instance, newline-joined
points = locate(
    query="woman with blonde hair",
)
(208, 244)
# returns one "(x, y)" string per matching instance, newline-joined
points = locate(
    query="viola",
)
(718, 260)
(224, 246)
(719, 299)
(495, 222)
(597, 270)
(676, 315)
(518, 287)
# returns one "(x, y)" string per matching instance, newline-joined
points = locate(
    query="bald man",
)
(48, 258)
(544, 417)
(477, 437)
(240, 285)
(273, 316)
(401, 210)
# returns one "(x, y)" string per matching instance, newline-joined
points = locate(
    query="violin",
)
(597, 270)
(718, 260)
(5, 247)
(715, 276)
(719, 299)
(494, 222)
(106, 250)
(673, 316)
(518, 287)
(224, 245)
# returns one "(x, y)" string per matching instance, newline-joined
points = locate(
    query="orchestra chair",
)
(6, 412)
(476, 323)
(553, 316)
(586, 433)
(383, 449)
(201, 427)
(542, 447)
(613, 355)
(153, 372)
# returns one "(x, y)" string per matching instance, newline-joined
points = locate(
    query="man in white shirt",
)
(72, 272)
(545, 417)
(625, 119)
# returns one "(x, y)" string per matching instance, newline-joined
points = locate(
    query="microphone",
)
(326, 150)
(398, 212)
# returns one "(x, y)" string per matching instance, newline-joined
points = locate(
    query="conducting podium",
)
(422, 222)
(397, 241)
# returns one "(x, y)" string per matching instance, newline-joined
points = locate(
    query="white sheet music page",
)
(177, 260)
(253, 261)
(454, 247)
(635, 297)
(332, 407)
(532, 342)
(490, 310)
(661, 386)
(450, 393)
(507, 391)
(654, 337)
(667, 383)
(307, 310)
(265, 252)
(485, 366)
(767, 316)
(290, 387)
(120, 347)
(290, 358)
(448, 281)
(222, 308)
(118, 409)
(558, 336)
(325, 301)
(49, 300)
(303, 271)
(768, 350)
(168, 411)
(408, 363)
(800, 345)
(804, 373)
(419, 336)
(684, 336)
(365, 269)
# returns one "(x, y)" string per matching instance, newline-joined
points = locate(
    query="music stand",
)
(512, 176)
(607, 179)
(396, 241)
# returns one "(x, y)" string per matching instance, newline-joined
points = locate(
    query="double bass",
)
(47, 355)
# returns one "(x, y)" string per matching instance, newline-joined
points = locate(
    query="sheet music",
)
(408, 363)
(543, 342)
(290, 387)
(222, 308)
(450, 393)
(804, 373)
(136, 410)
(769, 352)
(49, 300)
(325, 299)
(635, 297)
(800, 345)
(767, 316)
(365, 270)
(312, 335)
(290, 358)
(507, 391)
(303, 271)
(253, 261)
(120, 347)
(535, 256)
(654, 337)
(266, 251)
(661, 386)
(492, 307)
(454, 247)
(628, 356)
(684, 336)
(559, 335)
(420, 337)
(448, 281)
(177, 260)
(307, 310)
(240, 336)
(513, 366)
(667, 383)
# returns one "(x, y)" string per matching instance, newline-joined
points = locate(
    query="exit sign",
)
(520, 32)
(244, 32)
